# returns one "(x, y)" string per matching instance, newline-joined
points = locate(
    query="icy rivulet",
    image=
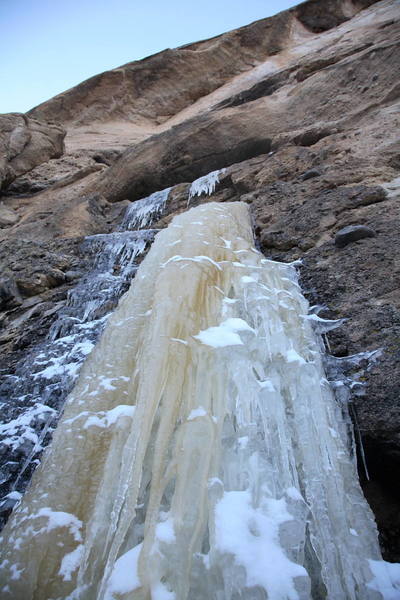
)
(201, 453)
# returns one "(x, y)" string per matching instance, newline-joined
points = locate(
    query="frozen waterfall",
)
(202, 454)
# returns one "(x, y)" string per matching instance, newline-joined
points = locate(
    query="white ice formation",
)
(142, 212)
(205, 184)
(202, 454)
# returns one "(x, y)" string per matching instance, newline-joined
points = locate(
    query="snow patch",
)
(60, 519)
(225, 334)
(184, 342)
(70, 563)
(165, 531)
(251, 535)
(386, 579)
(110, 417)
(124, 576)
(195, 259)
(293, 357)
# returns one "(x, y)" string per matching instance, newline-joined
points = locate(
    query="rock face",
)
(26, 143)
(301, 110)
(270, 115)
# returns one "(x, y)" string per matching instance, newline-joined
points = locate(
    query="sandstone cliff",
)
(301, 109)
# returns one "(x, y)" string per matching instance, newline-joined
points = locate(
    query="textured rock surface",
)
(25, 143)
(302, 110)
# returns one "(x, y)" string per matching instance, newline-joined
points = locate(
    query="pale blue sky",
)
(48, 46)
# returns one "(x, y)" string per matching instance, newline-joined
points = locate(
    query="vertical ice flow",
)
(201, 453)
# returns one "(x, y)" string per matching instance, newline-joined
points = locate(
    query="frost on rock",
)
(202, 454)
(143, 212)
(205, 184)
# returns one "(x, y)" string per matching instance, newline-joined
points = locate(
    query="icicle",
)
(205, 184)
(202, 453)
(322, 326)
(142, 213)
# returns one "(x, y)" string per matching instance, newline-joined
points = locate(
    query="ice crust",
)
(185, 467)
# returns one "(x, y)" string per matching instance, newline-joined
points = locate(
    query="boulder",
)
(7, 216)
(26, 143)
(310, 174)
(352, 233)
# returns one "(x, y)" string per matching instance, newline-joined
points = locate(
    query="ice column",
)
(202, 454)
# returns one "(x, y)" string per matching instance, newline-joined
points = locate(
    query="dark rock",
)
(179, 155)
(352, 233)
(55, 277)
(36, 284)
(72, 275)
(106, 157)
(310, 174)
(319, 17)
(264, 88)
(24, 185)
(311, 136)
(9, 293)
(280, 240)
(372, 195)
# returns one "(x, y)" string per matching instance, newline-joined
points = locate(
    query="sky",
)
(48, 46)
